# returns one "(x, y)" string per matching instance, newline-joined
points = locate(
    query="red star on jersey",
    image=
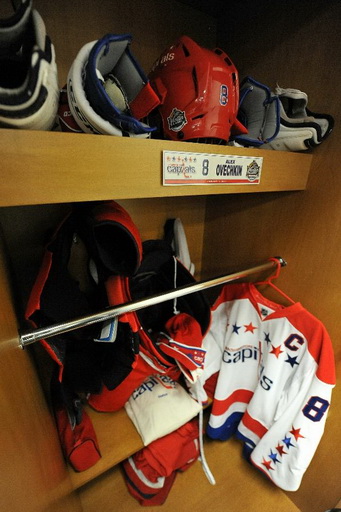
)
(280, 449)
(296, 433)
(267, 464)
(249, 327)
(276, 350)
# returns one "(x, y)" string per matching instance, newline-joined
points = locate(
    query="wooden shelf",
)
(239, 486)
(54, 167)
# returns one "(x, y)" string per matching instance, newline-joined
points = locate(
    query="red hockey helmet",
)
(199, 92)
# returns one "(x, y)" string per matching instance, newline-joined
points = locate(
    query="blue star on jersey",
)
(287, 442)
(236, 328)
(291, 360)
(273, 457)
(267, 337)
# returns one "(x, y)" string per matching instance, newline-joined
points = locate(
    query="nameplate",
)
(184, 168)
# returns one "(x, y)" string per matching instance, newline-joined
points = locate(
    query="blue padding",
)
(248, 445)
(226, 430)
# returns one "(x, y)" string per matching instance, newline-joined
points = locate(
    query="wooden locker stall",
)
(294, 213)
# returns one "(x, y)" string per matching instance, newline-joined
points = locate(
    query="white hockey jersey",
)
(276, 372)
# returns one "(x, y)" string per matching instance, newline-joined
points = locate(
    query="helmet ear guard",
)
(198, 91)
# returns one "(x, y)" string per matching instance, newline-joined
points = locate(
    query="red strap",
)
(145, 102)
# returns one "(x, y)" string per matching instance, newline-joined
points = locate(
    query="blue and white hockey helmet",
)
(108, 92)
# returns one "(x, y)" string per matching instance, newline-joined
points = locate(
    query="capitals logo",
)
(253, 171)
(153, 383)
(176, 120)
